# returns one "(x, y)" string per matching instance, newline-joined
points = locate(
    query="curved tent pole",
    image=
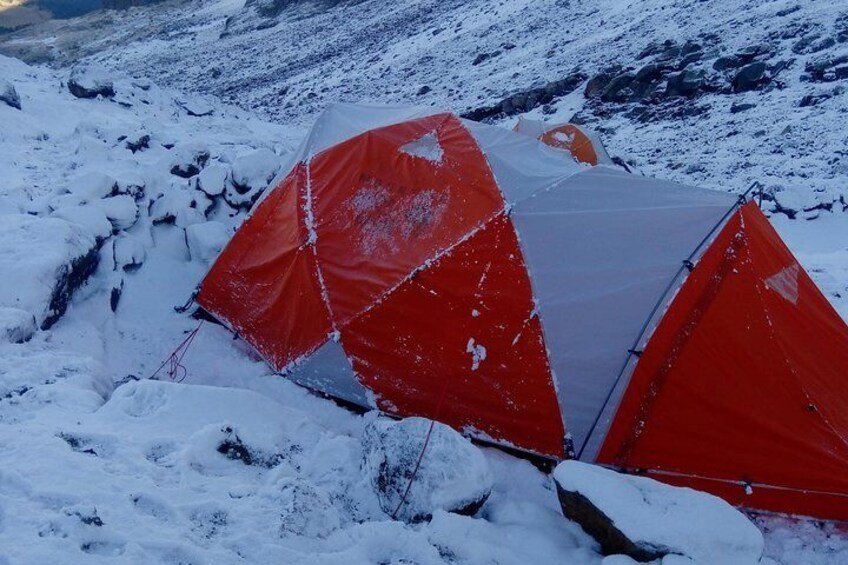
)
(686, 265)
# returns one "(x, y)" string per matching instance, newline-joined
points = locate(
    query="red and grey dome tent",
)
(426, 265)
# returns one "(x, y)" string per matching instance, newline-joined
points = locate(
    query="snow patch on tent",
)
(478, 353)
(388, 217)
(426, 147)
(785, 283)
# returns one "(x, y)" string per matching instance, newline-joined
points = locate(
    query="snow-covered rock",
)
(168, 205)
(92, 186)
(647, 520)
(212, 180)
(453, 475)
(16, 325)
(90, 82)
(129, 252)
(251, 174)
(305, 509)
(121, 210)
(9, 95)
(187, 160)
(206, 240)
(42, 262)
(92, 218)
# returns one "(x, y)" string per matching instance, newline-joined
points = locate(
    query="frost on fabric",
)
(426, 147)
(389, 216)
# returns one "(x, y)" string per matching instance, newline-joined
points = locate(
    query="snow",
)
(16, 325)
(92, 218)
(685, 521)
(206, 240)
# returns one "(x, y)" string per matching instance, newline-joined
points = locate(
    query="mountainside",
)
(130, 162)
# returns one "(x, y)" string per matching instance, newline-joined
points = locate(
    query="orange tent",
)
(581, 142)
(420, 264)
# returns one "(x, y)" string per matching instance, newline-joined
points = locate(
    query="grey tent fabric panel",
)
(601, 248)
(329, 370)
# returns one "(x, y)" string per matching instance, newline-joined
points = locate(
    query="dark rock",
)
(9, 96)
(70, 279)
(115, 295)
(828, 70)
(618, 88)
(598, 83)
(750, 77)
(648, 73)
(689, 59)
(736, 108)
(727, 63)
(232, 447)
(527, 100)
(139, 144)
(787, 11)
(423, 90)
(685, 83)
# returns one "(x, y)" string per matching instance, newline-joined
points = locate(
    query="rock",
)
(727, 63)
(213, 179)
(188, 160)
(423, 90)
(130, 184)
(115, 295)
(306, 510)
(92, 218)
(828, 70)
(736, 108)
(90, 82)
(16, 325)
(8, 95)
(453, 475)
(42, 262)
(686, 83)
(197, 106)
(128, 252)
(166, 207)
(750, 77)
(250, 175)
(618, 88)
(92, 186)
(138, 143)
(121, 210)
(527, 100)
(206, 240)
(647, 520)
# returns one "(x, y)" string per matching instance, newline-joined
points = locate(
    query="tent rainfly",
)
(421, 264)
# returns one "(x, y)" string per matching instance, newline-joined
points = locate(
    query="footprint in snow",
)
(152, 506)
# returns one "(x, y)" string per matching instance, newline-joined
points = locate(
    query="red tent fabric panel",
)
(460, 343)
(388, 200)
(264, 284)
(743, 381)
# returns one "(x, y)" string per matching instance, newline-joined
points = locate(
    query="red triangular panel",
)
(264, 283)
(460, 342)
(386, 201)
(745, 381)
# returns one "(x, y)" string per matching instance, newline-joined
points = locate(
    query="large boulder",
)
(648, 520)
(90, 82)
(453, 474)
(42, 262)
(8, 95)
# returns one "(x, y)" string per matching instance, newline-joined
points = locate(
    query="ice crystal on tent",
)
(478, 353)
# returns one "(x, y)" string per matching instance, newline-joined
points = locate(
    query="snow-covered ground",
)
(97, 466)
